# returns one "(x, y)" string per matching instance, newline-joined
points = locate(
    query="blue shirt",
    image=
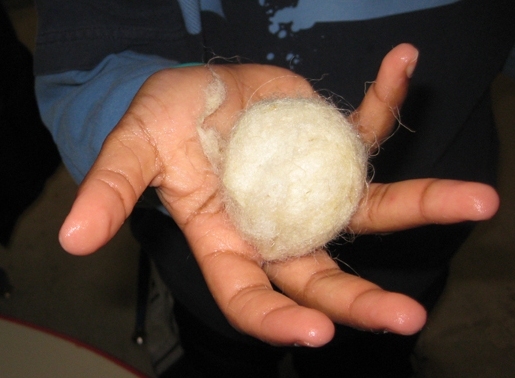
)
(80, 107)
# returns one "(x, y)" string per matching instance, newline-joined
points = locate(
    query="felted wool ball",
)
(293, 173)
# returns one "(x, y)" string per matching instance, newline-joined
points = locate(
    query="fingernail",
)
(410, 69)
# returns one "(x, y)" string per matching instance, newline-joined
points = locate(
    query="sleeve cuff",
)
(80, 108)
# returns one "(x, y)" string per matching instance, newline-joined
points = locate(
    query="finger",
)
(407, 204)
(108, 194)
(233, 272)
(379, 109)
(316, 281)
(130, 158)
(256, 309)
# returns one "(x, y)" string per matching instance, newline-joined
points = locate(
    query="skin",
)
(156, 144)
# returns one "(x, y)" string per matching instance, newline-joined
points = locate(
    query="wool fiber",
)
(293, 172)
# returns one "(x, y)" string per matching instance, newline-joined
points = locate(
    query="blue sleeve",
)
(80, 108)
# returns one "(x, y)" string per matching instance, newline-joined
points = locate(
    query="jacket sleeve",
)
(80, 108)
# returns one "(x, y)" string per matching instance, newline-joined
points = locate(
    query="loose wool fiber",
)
(293, 173)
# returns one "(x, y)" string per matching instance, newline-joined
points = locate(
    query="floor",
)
(92, 299)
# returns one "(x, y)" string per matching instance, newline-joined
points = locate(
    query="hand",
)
(156, 144)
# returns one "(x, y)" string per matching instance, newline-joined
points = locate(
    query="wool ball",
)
(293, 172)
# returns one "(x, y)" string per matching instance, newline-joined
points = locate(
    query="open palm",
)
(156, 144)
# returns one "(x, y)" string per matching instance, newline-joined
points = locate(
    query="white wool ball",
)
(293, 173)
